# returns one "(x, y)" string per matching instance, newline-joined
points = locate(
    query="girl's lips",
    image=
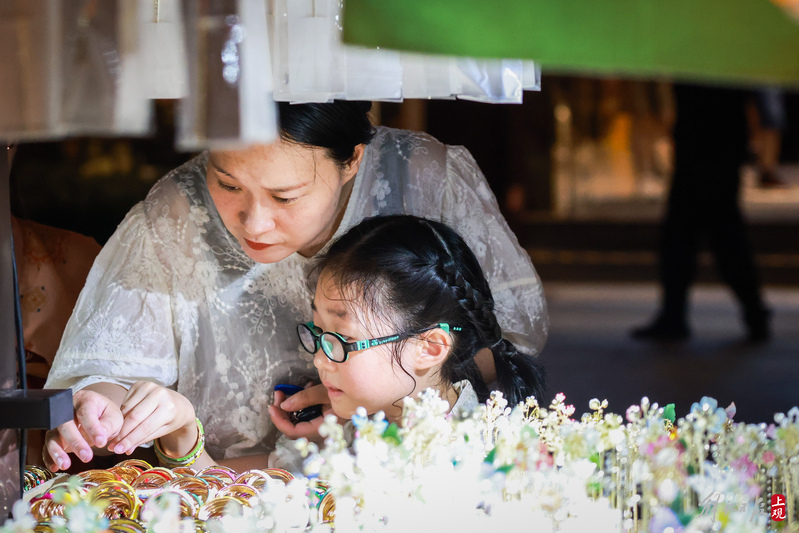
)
(257, 245)
(333, 392)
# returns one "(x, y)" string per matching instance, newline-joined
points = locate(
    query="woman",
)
(201, 287)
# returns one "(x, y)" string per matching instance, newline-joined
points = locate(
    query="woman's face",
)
(280, 198)
(368, 378)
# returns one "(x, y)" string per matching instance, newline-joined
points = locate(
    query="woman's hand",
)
(151, 411)
(281, 410)
(97, 420)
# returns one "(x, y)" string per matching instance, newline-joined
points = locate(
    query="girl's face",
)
(369, 378)
(280, 198)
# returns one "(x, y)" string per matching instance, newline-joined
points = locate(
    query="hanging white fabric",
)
(311, 64)
(75, 67)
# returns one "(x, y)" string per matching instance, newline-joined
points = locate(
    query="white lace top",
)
(173, 299)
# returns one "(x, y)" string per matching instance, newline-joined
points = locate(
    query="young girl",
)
(402, 305)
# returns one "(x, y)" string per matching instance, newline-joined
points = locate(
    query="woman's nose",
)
(257, 219)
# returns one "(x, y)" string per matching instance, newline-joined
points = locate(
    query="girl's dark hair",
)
(338, 126)
(415, 273)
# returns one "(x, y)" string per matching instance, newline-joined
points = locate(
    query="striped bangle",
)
(188, 460)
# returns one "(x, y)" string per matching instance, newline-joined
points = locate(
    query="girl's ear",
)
(351, 167)
(433, 349)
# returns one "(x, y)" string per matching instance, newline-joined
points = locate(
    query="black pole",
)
(10, 476)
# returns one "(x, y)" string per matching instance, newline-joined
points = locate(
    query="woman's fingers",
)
(55, 456)
(137, 408)
(314, 395)
(96, 420)
(140, 421)
(97, 417)
(150, 411)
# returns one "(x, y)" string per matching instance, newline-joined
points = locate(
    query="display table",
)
(523, 469)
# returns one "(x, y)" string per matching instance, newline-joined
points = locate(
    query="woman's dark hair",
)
(338, 126)
(415, 273)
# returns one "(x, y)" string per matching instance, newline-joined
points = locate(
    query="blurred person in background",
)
(710, 141)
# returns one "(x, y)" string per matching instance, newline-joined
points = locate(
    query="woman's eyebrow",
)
(273, 190)
(220, 169)
(288, 187)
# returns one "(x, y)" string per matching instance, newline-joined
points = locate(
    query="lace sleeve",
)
(121, 328)
(469, 206)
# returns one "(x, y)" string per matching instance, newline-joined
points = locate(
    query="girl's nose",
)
(257, 219)
(321, 362)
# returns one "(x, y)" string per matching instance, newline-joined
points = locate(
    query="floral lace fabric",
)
(173, 299)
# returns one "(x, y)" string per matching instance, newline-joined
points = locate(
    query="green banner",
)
(726, 40)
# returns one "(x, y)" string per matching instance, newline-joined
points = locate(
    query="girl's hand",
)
(151, 411)
(97, 419)
(281, 410)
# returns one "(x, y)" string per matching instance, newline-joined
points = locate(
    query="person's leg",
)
(678, 249)
(729, 243)
(678, 256)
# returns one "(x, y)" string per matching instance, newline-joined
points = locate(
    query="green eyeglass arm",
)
(363, 345)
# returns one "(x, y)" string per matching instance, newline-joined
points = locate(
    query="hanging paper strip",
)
(30, 85)
(70, 67)
(726, 40)
(163, 49)
(230, 101)
(102, 90)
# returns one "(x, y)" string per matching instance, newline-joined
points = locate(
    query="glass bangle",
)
(189, 459)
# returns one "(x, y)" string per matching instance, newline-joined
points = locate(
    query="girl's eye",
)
(284, 201)
(225, 187)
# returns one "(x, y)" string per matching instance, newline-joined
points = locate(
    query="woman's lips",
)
(257, 245)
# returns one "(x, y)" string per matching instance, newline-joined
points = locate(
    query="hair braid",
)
(518, 375)
(479, 308)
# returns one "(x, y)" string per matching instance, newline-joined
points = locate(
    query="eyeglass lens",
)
(306, 338)
(332, 347)
(330, 344)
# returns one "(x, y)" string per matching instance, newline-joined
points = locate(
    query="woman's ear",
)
(433, 349)
(351, 167)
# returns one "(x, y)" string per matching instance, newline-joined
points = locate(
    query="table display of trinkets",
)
(501, 468)
(133, 495)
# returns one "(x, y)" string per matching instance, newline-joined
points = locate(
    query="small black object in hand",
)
(303, 415)
(306, 415)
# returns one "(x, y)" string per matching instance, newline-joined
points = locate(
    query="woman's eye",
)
(224, 186)
(285, 201)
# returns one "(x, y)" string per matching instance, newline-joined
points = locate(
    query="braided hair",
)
(416, 273)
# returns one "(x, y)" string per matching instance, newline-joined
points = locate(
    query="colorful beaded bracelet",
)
(188, 460)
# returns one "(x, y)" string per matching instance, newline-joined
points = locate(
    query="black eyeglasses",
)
(337, 349)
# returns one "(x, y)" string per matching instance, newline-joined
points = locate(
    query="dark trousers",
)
(703, 206)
